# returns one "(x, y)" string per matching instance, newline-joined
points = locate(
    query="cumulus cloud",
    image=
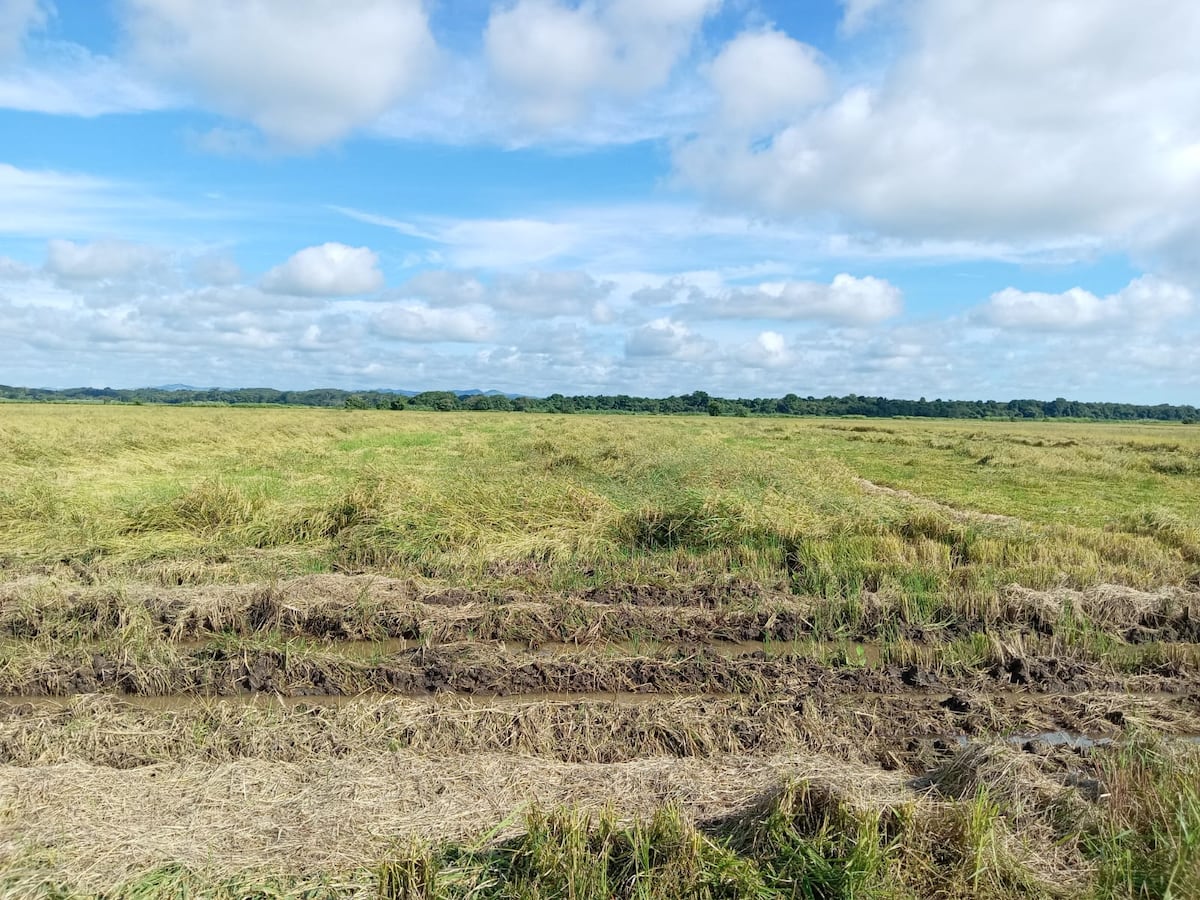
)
(546, 294)
(768, 350)
(444, 288)
(1144, 301)
(845, 300)
(328, 270)
(554, 57)
(217, 269)
(415, 322)
(106, 259)
(666, 338)
(12, 270)
(60, 332)
(304, 73)
(996, 121)
(764, 77)
(532, 293)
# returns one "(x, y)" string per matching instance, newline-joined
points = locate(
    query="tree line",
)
(695, 403)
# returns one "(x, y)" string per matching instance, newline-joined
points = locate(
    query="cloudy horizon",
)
(964, 199)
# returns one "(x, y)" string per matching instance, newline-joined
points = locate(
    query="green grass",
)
(956, 547)
(1048, 472)
(195, 495)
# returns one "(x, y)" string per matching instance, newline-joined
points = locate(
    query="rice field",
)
(315, 653)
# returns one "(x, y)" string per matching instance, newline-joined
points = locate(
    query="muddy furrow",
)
(897, 731)
(228, 669)
(340, 607)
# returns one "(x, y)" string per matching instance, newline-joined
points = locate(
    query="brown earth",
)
(223, 670)
(343, 607)
(203, 726)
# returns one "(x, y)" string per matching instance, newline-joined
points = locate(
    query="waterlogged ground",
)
(312, 652)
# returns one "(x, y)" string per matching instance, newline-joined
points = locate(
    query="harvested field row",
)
(366, 824)
(301, 818)
(896, 731)
(227, 668)
(368, 607)
(777, 678)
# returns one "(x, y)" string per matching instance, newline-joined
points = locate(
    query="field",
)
(310, 653)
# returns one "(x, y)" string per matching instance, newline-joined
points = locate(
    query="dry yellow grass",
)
(149, 549)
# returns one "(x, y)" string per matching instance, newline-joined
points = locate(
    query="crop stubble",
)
(301, 726)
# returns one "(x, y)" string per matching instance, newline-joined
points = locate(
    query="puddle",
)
(1068, 739)
(1059, 739)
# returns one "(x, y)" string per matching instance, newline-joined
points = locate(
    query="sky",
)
(969, 199)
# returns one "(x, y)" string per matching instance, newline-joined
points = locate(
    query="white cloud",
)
(498, 243)
(304, 72)
(846, 300)
(765, 77)
(550, 293)
(1005, 121)
(415, 322)
(669, 237)
(768, 350)
(666, 338)
(99, 260)
(858, 14)
(12, 270)
(555, 58)
(58, 331)
(1146, 301)
(67, 79)
(46, 203)
(552, 54)
(532, 293)
(443, 288)
(216, 269)
(17, 18)
(328, 270)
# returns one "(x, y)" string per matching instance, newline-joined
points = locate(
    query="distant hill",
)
(475, 392)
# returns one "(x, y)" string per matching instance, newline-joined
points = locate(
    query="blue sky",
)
(955, 198)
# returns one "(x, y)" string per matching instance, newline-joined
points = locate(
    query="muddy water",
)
(1069, 739)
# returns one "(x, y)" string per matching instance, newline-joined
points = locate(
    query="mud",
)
(906, 732)
(710, 595)
(361, 608)
(225, 669)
